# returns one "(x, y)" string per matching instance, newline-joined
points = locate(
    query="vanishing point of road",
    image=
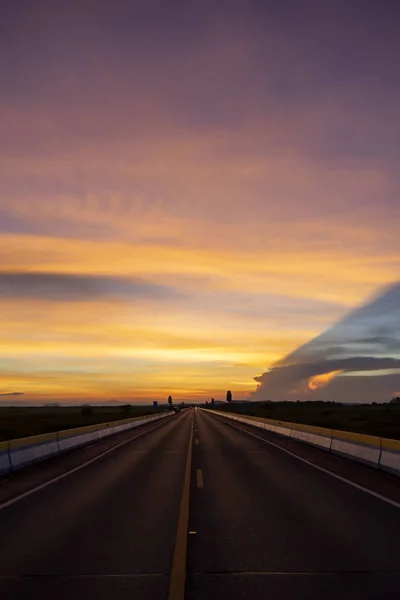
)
(198, 508)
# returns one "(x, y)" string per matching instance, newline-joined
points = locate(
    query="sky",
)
(193, 191)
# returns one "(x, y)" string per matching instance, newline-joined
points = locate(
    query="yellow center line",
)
(199, 475)
(196, 442)
(178, 572)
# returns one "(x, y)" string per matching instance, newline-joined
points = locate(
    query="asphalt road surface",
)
(199, 508)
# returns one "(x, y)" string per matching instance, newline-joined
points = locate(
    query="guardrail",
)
(382, 453)
(15, 454)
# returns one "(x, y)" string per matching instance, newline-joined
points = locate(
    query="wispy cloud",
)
(79, 287)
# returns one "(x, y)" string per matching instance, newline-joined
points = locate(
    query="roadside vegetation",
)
(21, 421)
(382, 420)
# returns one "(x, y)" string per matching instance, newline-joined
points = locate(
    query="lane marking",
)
(196, 442)
(199, 477)
(178, 571)
(5, 578)
(75, 469)
(331, 473)
(292, 573)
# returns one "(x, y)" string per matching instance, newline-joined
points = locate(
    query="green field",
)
(17, 422)
(382, 420)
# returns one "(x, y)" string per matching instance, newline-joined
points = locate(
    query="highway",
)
(198, 508)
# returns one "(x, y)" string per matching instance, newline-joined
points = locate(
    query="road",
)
(262, 522)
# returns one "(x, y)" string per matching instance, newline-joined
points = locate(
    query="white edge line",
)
(307, 462)
(74, 470)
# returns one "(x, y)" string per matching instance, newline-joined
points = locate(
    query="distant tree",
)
(127, 408)
(212, 401)
(229, 396)
(395, 400)
(170, 400)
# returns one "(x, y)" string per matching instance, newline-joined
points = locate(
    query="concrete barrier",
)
(365, 448)
(381, 453)
(311, 437)
(73, 438)
(32, 449)
(24, 451)
(390, 457)
(5, 464)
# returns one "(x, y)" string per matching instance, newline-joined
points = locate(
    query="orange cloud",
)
(320, 381)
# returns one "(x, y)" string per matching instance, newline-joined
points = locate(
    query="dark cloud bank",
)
(365, 347)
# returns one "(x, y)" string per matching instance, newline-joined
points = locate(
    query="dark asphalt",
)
(106, 531)
(264, 524)
(270, 526)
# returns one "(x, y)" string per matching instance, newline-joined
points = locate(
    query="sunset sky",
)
(191, 191)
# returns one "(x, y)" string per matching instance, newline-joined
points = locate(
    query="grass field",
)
(382, 420)
(17, 422)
